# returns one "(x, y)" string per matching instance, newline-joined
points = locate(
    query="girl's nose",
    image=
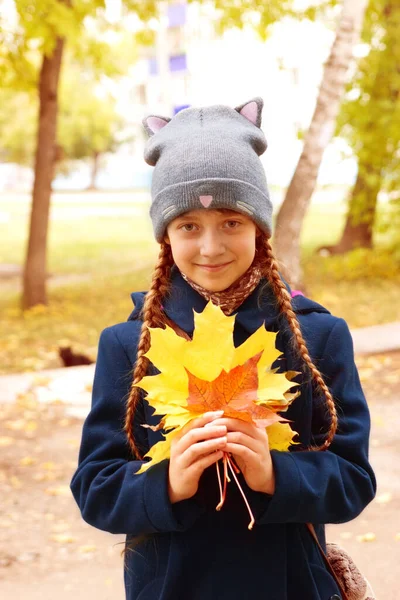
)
(211, 245)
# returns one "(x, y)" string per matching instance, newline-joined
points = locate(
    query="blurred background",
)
(76, 79)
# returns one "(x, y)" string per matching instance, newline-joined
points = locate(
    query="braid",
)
(152, 316)
(269, 268)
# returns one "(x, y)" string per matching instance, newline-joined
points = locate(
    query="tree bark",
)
(361, 212)
(294, 207)
(93, 172)
(34, 279)
(359, 234)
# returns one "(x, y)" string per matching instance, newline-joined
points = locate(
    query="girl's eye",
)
(187, 225)
(235, 223)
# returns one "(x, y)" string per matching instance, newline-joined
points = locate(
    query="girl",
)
(211, 214)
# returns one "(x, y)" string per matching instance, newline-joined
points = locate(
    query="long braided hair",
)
(153, 316)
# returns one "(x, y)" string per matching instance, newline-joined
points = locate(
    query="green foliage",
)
(261, 15)
(362, 264)
(144, 9)
(88, 121)
(370, 114)
(145, 37)
(18, 124)
(81, 22)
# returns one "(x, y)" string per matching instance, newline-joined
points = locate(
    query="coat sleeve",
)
(109, 494)
(335, 485)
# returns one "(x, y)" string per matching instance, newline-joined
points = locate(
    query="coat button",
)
(335, 597)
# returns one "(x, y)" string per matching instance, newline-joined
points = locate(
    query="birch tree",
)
(297, 199)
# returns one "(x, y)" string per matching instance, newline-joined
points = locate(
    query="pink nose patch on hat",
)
(206, 200)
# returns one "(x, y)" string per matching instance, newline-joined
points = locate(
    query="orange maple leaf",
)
(233, 392)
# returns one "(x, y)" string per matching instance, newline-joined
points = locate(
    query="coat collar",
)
(183, 300)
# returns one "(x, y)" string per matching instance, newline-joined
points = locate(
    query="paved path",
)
(378, 338)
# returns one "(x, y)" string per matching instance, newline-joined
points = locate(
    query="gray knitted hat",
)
(208, 158)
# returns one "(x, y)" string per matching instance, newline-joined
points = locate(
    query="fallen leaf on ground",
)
(16, 425)
(41, 380)
(44, 476)
(49, 465)
(73, 443)
(384, 498)
(87, 549)
(366, 537)
(61, 490)
(15, 482)
(60, 527)
(62, 538)
(5, 441)
(5, 523)
(27, 461)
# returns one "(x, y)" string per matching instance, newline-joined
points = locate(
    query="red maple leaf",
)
(234, 392)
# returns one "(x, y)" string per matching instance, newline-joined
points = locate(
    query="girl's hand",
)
(195, 448)
(250, 448)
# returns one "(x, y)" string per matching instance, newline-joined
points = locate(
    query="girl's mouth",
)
(213, 268)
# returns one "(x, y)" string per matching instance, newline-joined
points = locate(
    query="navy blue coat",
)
(194, 552)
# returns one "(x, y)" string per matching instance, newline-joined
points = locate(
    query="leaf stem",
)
(229, 462)
(252, 521)
(219, 483)
(223, 492)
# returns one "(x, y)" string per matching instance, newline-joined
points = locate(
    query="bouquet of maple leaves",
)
(207, 373)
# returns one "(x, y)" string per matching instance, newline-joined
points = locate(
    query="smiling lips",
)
(214, 267)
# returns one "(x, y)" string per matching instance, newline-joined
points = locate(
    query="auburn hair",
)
(152, 315)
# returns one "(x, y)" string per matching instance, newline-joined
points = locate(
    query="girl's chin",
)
(212, 284)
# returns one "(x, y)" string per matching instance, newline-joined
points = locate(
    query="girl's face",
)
(212, 247)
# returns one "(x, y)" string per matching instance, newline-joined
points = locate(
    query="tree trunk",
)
(94, 171)
(359, 235)
(362, 209)
(361, 212)
(34, 280)
(294, 207)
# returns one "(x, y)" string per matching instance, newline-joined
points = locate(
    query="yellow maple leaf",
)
(280, 436)
(210, 363)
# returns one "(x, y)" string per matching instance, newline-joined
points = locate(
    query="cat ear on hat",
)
(154, 123)
(252, 110)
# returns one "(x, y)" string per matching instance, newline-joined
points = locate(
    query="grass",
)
(101, 248)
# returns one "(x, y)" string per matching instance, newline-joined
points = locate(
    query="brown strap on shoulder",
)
(311, 529)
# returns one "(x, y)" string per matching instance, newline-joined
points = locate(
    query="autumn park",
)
(76, 79)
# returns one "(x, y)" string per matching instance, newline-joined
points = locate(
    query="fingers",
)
(198, 435)
(197, 450)
(238, 425)
(248, 455)
(206, 461)
(206, 419)
(238, 437)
